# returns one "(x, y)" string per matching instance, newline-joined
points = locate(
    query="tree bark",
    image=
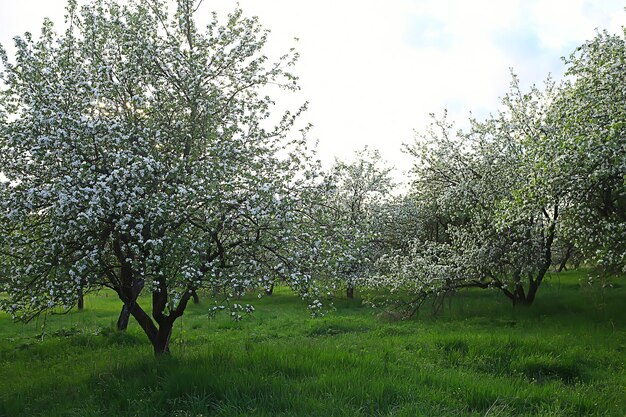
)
(122, 321)
(145, 322)
(270, 289)
(350, 292)
(520, 297)
(159, 336)
(159, 330)
(161, 342)
(533, 286)
(568, 253)
(196, 299)
(81, 300)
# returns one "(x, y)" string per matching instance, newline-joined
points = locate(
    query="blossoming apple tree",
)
(359, 187)
(592, 150)
(143, 153)
(481, 226)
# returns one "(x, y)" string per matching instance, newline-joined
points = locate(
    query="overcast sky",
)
(373, 70)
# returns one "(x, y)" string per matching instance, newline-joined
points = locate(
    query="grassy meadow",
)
(564, 356)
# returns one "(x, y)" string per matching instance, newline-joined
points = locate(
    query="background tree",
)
(143, 154)
(591, 147)
(481, 226)
(359, 188)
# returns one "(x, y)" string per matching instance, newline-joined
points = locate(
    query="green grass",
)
(562, 357)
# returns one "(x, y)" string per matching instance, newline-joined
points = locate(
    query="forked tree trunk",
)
(164, 316)
(159, 336)
(161, 342)
(568, 254)
(518, 296)
(196, 299)
(523, 298)
(157, 328)
(533, 286)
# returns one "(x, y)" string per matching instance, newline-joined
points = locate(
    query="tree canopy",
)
(143, 151)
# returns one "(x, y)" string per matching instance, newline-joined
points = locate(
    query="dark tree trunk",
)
(270, 290)
(519, 295)
(568, 254)
(350, 292)
(122, 321)
(547, 258)
(81, 300)
(527, 298)
(161, 342)
(161, 337)
(133, 294)
(533, 286)
(159, 330)
(196, 299)
(144, 321)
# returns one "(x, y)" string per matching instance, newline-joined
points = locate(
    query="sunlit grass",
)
(562, 357)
